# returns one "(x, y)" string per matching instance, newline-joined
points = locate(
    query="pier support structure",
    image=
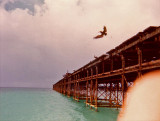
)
(104, 81)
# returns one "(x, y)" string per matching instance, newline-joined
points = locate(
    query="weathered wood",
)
(103, 82)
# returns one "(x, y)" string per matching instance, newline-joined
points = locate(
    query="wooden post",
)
(69, 87)
(64, 87)
(96, 94)
(75, 86)
(139, 51)
(122, 82)
(123, 77)
(87, 86)
(91, 86)
(96, 89)
(87, 92)
(78, 91)
(110, 96)
(68, 90)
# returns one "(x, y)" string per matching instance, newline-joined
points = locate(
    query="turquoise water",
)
(28, 104)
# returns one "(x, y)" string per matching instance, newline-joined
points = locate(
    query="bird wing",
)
(98, 36)
(104, 29)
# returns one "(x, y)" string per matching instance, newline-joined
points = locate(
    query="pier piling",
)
(104, 81)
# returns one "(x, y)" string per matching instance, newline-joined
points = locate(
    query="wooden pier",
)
(104, 81)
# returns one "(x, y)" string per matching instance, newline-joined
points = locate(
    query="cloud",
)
(36, 50)
(10, 5)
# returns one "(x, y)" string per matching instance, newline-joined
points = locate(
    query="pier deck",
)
(104, 81)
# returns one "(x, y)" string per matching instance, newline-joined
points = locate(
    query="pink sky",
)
(37, 50)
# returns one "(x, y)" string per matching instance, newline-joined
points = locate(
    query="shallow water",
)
(28, 104)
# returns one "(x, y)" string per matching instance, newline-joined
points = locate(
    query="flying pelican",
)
(104, 32)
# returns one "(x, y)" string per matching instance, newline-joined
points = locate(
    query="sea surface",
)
(33, 104)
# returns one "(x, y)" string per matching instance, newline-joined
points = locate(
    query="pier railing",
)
(104, 81)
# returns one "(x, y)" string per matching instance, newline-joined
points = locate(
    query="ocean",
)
(34, 104)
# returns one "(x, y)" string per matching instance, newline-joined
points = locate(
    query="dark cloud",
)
(24, 4)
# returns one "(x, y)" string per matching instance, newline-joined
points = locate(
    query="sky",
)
(41, 40)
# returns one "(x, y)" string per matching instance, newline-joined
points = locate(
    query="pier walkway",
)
(104, 81)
